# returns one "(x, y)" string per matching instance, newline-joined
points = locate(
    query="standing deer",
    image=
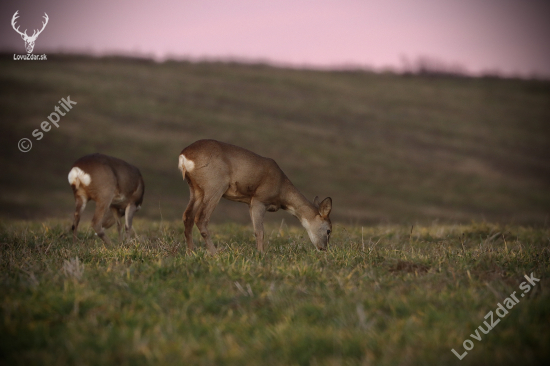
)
(116, 187)
(215, 169)
(29, 41)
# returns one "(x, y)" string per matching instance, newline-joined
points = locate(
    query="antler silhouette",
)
(43, 26)
(35, 34)
(15, 16)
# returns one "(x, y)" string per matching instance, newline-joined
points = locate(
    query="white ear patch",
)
(189, 165)
(77, 176)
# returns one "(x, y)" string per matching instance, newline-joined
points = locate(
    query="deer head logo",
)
(29, 41)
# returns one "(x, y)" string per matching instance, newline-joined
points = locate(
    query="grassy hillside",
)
(382, 295)
(386, 148)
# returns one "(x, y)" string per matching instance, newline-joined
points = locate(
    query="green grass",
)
(381, 295)
(387, 148)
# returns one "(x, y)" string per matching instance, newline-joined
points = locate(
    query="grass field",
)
(381, 295)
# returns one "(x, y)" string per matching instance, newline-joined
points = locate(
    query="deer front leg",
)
(257, 211)
(130, 211)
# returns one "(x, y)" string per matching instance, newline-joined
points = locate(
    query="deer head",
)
(29, 41)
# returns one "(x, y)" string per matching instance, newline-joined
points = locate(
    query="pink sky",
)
(511, 36)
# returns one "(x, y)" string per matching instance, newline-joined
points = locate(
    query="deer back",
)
(210, 162)
(99, 175)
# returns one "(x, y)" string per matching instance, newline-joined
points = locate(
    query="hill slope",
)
(386, 148)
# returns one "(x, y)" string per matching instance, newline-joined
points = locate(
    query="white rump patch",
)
(189, 165)
(77, 176)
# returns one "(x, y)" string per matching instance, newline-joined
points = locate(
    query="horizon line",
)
(421, 66)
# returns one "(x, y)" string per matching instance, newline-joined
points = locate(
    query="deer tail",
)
(77, 177)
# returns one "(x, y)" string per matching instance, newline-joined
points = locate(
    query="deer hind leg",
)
(109, 219)
(102, 215)
(112, 216)
(195, 201)
(80, 205)
(203, 216)
(257, 211)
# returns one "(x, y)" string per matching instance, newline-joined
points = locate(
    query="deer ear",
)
(316, 201)
(22, 36)
(325, 207)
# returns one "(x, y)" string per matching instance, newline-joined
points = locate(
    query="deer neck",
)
(297, 205)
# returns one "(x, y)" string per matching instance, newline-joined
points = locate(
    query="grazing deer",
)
(215, 169)
(116, 187)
